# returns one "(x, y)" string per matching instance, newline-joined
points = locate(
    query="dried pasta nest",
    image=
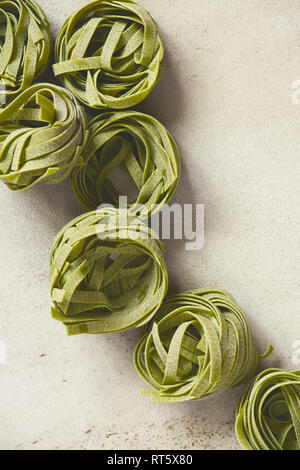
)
(141, 149)
(42, 133)
(199, 345)
(107, 273)
(268, 415)
(109, 54)
(25, 46)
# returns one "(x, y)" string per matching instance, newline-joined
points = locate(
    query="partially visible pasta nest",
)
(199, 344)
(25, 46)
(42, 134)
(109, 54)
(142, 149)
(268, 415)
(107, 273)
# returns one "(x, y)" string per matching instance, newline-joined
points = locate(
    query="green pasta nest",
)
(268, 415)
(25, 46)
(141, 148)
(107, 273)
(42, 133)
(109, 54)
(199, 345)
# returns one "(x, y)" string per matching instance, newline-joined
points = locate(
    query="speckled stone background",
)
(227, 97)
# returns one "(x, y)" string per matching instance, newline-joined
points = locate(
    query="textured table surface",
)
(226, 96)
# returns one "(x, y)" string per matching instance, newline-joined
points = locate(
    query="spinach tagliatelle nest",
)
(25, 46)
(42, 133)
(139, 147)
(199, 344)
(268, 415)
(109, 54)
(107, 273)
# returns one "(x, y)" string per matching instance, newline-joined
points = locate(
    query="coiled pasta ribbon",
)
(199, 345)
(138, 145)
(268, 415)
(25, 45)
(107, 273)
(109, 54)
(42, 133)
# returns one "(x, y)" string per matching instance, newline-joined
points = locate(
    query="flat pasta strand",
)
(199, 344)
(25, 46)
(136, 144)
(107, 273)
(268, 414)
(42, 134)
(109, 54)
